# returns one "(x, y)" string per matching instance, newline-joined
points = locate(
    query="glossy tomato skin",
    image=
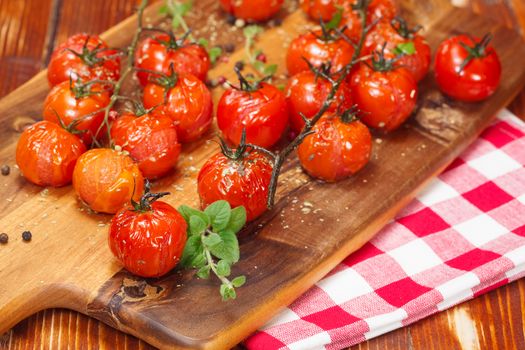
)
(106, 180)
(155, 54)
(317, 51)
(386, 99)
(477, 81)
(65, 64)
(151, 141)
(378, 10)
(384, 32)
(252, 10)
(240, 182)
(320, 9)
(61, 101)
(306, 93)
(263, 113)
(336, 150)
(46, 154)
(189, 105)
(150, 243)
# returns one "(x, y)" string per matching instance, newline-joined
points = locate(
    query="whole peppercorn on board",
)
(312, 228)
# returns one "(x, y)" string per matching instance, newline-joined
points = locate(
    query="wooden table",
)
(29, 30)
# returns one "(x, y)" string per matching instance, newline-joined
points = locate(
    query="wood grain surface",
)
(26, 40)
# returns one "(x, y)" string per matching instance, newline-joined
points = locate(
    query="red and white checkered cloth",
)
(463, 236)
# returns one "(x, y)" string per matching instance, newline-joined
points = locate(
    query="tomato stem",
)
(477, 51)
(402, 28)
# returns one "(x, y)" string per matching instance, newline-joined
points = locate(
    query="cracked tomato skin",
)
(151, 140)
(61, 101)
(46, 154)
(479, 79)
(306, 94)
(336, 150)
(386, 99)
(384, 34)
(148, 243)
(312, 47)
(189, 105)
(65, 64)
(263, 113)
(240, 182)
(155, 54)
(252, 10)
(106, 180)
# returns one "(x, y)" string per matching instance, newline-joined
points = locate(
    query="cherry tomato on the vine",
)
(47, 153)
(321, 9)
(378, 10)
(186, 100)
(106, 180)
(306, 92)
(467, 69)
(148, 237)
(162, 51)
(150, 139)
(386, 95)
(398, 40)
(86, 57)
(241, 177)
(318, 47)
(252, 10)
(258, 107)
(79, 104)
(339, 147)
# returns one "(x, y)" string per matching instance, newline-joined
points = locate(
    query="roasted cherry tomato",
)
(318, 47)
(396, 39)
(252, 10)
(339, 147)
(47, 153)
(186, 100)
(386, 95)
(162, 52)
(106, 180)
(77, 104)
(321, 9)
(378, 10)
(467, 69)
(148, 237)
(83, 56)
(150, 139)
(306, 93)
(241, 177)
(258, 107)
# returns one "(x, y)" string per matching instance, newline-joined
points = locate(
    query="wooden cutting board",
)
(69, 265)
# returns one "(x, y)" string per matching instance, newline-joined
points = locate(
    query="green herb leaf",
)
(163, 10)
(192, 251)
(212, 240)
(227, 292)
(407, 48)
(251, 31)
(215, 53)
(239, 281)
(203, 42)
(197, 225)
(204, 272)
(335, 22)
(228, 249)
(219, 214)
(270, 69)
(237, 219)
(188, 212)
(223, 268)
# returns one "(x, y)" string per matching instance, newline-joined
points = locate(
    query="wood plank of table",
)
(26, 37)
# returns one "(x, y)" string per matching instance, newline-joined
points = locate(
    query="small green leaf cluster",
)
(177, 11)
(212, 245)
(250, 34)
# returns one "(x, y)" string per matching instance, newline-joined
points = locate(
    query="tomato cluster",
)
(359, 71)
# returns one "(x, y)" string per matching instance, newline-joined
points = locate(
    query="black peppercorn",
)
(5, 170)
(230, 19)
(26, 236)
(239, 65)
(4, 238)
(229, 48)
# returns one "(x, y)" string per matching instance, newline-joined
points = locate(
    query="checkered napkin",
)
(463, 236)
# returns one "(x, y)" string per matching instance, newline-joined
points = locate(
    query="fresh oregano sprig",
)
(212, 245)
(252, 54)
